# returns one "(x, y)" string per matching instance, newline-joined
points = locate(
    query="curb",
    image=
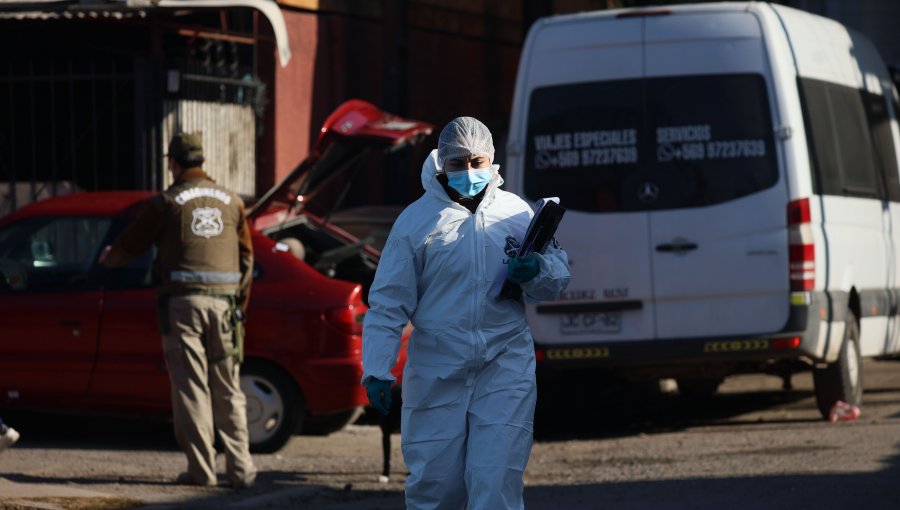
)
(10, 489)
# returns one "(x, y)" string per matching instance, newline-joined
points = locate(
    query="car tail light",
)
(540, 355)
(349, 318)
(801, 251)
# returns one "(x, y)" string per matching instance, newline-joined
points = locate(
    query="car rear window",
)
(650, 144)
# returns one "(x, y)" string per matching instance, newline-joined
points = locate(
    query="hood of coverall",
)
(431, 169)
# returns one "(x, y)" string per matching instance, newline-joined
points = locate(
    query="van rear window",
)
(650, 144)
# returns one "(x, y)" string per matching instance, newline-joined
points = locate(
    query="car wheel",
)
(841, 380)
(698, 388)
(275, 406)
(324, 424)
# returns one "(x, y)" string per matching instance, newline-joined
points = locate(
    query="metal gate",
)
(229, 140)
(70, 124)
(101, 122)
(212, 90)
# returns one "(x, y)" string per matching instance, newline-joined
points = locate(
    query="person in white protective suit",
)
(469, 384)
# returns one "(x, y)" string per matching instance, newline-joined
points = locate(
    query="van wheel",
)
(698, 388)
(841, 380)
(275, 406)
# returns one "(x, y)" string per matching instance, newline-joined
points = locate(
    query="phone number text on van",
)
(726, 149)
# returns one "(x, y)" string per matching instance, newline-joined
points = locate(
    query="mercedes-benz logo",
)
(648, 192)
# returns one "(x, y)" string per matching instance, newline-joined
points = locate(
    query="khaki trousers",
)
(206, 391)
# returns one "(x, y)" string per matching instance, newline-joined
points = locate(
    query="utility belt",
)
(234, 317)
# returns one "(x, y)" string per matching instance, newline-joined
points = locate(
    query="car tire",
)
(841, 380)
(275, 406)
(324, 424)
(698, 388)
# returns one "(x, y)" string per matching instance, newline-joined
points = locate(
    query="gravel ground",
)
(752, 446)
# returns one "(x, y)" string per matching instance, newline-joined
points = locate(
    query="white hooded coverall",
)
(469, 383)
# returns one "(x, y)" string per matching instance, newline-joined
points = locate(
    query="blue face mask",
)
(470, 183)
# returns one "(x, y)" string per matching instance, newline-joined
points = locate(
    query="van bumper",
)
(799, 339)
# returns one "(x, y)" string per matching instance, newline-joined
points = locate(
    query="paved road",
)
(753, 446)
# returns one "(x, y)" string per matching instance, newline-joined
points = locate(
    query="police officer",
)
(204, 269)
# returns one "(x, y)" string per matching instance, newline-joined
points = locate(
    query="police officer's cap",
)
(186, 148)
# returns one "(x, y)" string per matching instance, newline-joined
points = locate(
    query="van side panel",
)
(797, 167)
(892, 101)
(787, 113)
(823, 47)
(879, 88)
(839, 75)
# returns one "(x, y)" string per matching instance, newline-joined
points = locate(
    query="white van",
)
(730, 174)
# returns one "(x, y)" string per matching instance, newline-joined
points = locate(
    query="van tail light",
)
(801, 251)
(349, 318)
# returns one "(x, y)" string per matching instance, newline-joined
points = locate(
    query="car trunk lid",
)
(353, 129)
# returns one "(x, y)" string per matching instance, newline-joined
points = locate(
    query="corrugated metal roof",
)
(72, 14)
(55, 9)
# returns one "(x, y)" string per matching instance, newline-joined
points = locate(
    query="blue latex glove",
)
(523, 269)
(379, 393)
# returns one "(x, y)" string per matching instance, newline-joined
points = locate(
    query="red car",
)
(76, 337)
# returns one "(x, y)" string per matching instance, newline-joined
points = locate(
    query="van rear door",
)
(717, 231)
(584, 121)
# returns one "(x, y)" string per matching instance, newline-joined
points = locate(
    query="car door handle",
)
(679, 247)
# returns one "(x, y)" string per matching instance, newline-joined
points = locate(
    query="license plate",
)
(592, 322)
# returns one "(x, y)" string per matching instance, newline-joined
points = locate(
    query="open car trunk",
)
(353, 131)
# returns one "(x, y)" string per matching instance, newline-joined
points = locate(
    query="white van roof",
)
(649, 10)
(822, 48)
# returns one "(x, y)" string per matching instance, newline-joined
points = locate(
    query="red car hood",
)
(352, 129)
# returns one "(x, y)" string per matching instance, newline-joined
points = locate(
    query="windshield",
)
(650, 144)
